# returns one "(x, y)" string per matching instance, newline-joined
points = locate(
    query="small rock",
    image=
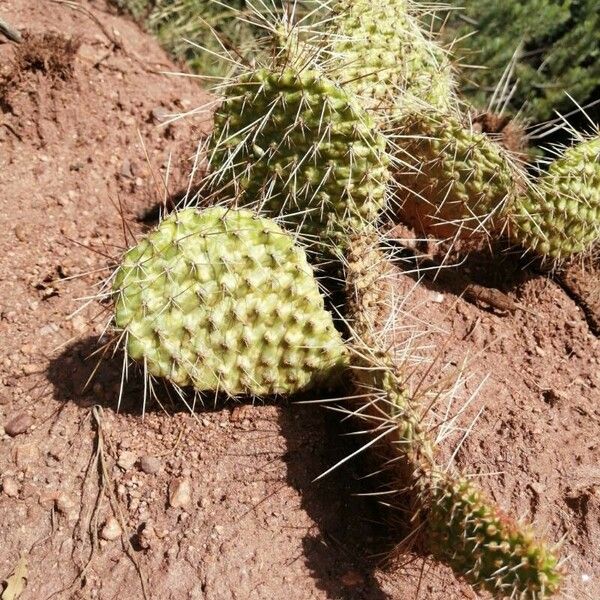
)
(150, 464)
(180, 493)
(79, 324)
(19, 424)
(10, 487)
(111, 530)
(21, 233)
(126, 460)
(147, 536)
(30, 369)
(26, 455)
(126, 170)
(240, 413)
(437, 297)
(65, 505)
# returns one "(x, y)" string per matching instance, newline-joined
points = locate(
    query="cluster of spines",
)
(388, 60)
(452, 181)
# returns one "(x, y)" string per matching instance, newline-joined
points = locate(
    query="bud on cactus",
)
(294, 143)
(223, 300)
(561, 216)
(453, 181)
(388, 59)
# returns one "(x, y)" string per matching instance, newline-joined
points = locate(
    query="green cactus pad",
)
(452, 180)
(486, 546)
(386, 56)
(561, 216)
(293, 143)
(223, 300)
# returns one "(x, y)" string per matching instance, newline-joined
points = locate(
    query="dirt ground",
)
(220, 504)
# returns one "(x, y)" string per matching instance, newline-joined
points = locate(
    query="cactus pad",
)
(452, 181)
(223, 300)
(561, 216)
(488, 547)
(293, 143)
(388, 58)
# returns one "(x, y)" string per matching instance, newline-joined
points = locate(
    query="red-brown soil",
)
(220, 504)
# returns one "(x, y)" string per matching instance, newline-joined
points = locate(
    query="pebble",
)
(21, 233)
(126, 170)
(10, 487)
(79, 324)
(180, 493)
(19, 424)
(150, 464)
(65, 505)
(26, 455)
(111, 530)
(127, 459)
(147, 536)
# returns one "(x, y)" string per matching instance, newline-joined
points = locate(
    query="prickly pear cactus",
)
(223, 300)
(460, 527)
(387, 58)
(452, 180)
(561, 216)
(485, 545)
(292, 142)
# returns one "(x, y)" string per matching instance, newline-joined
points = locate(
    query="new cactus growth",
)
(292, 142)
(223, 300)
(478, 540)
(387, 59)
(452, 180)
(561, 215)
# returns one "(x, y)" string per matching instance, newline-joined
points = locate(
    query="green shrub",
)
(556, 44)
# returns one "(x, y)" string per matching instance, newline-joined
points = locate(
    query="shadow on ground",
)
(341, 550)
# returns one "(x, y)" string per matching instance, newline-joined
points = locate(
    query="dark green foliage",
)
(558, 50)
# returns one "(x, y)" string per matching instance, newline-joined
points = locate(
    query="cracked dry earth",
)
(220, 504)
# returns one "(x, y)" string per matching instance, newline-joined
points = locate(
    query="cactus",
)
(223, 300)
(478, 540)
(561, 215)
(461, 526)
(452, 180)
(387, 59)
(292, 142)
